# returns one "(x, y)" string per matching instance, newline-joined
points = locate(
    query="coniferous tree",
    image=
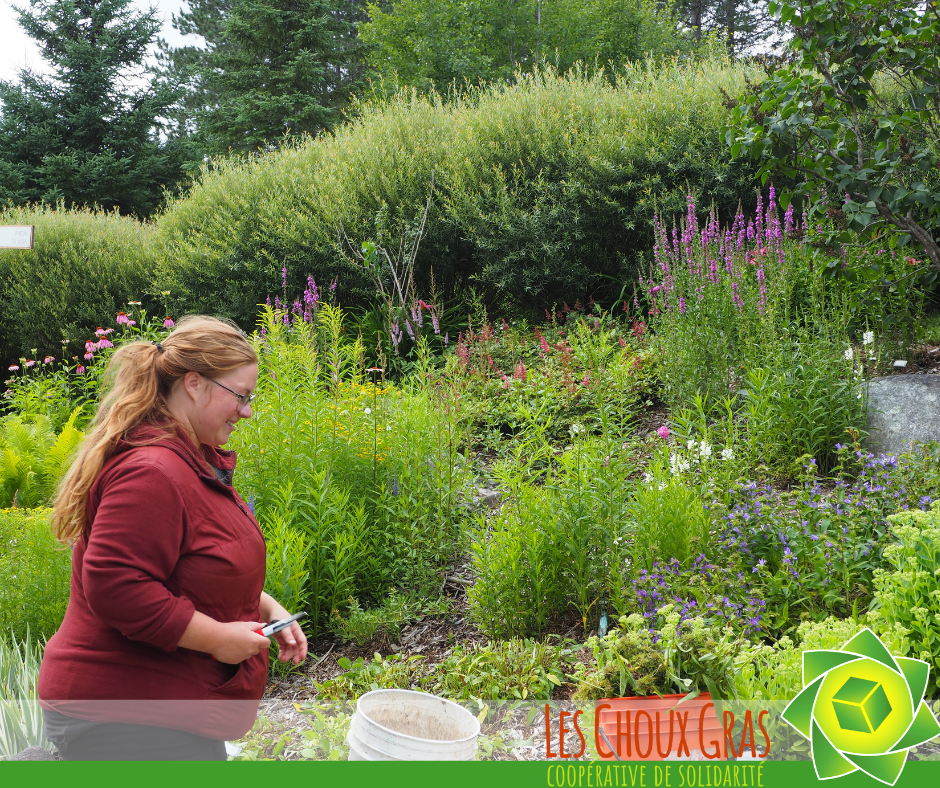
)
(88, 132)
(277, 67)
(187, 65)
(741, 25)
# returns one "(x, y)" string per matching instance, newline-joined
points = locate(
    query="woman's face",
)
(214, 411)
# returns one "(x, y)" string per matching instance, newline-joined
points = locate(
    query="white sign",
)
(16, 237)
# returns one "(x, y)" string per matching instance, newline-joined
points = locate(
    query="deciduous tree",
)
(855, 116)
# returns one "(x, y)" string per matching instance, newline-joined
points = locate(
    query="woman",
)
(157, 657)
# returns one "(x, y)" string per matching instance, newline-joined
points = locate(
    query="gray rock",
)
(490, 497)
(902, 409)
(34, 754)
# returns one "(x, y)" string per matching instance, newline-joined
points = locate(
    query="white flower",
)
(690, 445)
(868, 338)
(368, 411)
(577, 429)
(848, 354)
(388, 428)
(727, 453)
(647, 477)
(704, 450)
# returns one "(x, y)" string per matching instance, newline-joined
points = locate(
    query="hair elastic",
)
(159, 347)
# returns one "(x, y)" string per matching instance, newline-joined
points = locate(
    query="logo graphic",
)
(862, 709)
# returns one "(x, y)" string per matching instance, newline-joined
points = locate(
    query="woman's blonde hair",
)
(137, 382)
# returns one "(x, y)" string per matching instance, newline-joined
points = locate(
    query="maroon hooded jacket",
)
(167, 537)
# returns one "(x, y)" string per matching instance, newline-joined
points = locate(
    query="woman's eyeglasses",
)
(244, 400)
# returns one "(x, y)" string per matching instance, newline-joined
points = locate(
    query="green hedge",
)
(86, 265)
(544, 190)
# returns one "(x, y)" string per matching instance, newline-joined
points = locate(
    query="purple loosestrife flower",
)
(762, 301)
(409, 329)
(311, 293)
(434, 322)
(682, 305)
(284, 277)
(759, 216)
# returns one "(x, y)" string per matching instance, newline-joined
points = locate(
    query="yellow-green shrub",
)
(542, 189)
(85, 265)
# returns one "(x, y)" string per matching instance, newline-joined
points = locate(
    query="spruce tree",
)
(88, 132)
(279, 67)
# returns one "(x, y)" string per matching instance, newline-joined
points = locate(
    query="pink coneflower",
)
(48, 359)
(79, 369)
(131, 322)
(122, 319)
(89, 356)
(30, 362)
(99, 332)
(663, 432)
(90, 347)
(14, 367)
(168, 322)
(103, 343)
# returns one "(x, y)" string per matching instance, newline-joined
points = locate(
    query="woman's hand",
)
(233, 642)
(237, 641)
(292, 642)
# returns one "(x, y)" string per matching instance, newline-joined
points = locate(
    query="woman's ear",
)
(193, 384)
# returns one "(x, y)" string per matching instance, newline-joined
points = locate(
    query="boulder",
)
(34, 754)
(902, 409)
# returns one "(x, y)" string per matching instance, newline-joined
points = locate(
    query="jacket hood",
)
(171, 436)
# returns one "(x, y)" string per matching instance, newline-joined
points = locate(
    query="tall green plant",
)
(20, 715)
(355, 480)
(35, 574)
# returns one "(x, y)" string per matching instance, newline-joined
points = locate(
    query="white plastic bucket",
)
(402, 725)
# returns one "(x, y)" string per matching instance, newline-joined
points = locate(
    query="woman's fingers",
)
(292, 644)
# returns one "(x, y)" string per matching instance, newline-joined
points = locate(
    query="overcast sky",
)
(18, 50)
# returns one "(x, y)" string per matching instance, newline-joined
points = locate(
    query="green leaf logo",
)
(862, 709)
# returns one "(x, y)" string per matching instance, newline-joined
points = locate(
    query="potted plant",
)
(655, 689)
